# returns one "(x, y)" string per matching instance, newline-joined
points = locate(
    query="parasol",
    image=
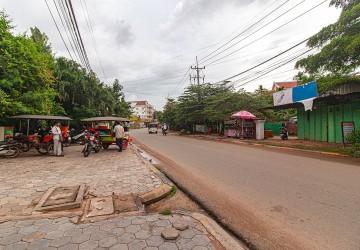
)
(243, 114)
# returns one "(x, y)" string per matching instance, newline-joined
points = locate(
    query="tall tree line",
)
(34, 81)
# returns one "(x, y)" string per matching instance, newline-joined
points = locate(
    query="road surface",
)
(270, 198)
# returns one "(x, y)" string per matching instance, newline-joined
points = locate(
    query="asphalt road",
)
(271, 198)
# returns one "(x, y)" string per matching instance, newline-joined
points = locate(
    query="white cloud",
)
(139, 39)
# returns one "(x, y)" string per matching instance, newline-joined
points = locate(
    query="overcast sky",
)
(150, 45)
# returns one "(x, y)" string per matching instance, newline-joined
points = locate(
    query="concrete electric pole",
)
(197, 72)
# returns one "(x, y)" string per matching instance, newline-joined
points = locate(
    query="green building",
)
(330, 110)
(324, 122)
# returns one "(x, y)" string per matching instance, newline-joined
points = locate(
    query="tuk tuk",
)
(41, 140)
(153, 128)
(104, 125)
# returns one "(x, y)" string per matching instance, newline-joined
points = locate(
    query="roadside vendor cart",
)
(246, 123)
(39, 139)
(231, 129)
(104, 125)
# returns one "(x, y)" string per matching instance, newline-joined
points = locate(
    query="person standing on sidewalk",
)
(119, 134)
(57, 138)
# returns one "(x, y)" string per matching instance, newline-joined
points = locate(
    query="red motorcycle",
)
(92, 142)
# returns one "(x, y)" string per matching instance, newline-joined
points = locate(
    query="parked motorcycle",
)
(9, 149)
(284, 133)
(92, 142)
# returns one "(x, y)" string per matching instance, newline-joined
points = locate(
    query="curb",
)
(271, 146)
(161, 175)
(215, 230)
(223, 237)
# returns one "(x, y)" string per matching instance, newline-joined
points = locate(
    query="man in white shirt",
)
(119, 134)
(57, 136)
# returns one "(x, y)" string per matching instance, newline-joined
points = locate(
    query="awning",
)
(105, 119)
(327, 100)
(42, 117)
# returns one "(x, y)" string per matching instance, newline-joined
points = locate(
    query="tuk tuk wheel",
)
(105, 146)
(125, 144)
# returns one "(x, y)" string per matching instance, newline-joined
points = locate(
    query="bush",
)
(354, 138)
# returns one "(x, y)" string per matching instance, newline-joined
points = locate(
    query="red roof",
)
(139, 102)
(285, 85)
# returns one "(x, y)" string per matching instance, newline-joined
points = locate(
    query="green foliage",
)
(354, 139)
(159, 115)
(165, 212)
(339, 43)
(169, 113)
(172, 191)
(25, 75)
(33, 82)
(83, 95)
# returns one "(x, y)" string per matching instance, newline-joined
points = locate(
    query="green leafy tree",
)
(339, 43)
(169, 113)
(25, 78)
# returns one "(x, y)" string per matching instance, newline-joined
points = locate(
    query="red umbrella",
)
(243, 114)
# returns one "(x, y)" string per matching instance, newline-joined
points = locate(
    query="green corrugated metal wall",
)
(324, 123)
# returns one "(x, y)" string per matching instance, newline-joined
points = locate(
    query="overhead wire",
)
(66, 31)
(263, 18)
(273, 57)
(67, 18)
(89, 25)
(277, 29)
(270, 70)
(57, 27)
(254, 32)
(77, 32)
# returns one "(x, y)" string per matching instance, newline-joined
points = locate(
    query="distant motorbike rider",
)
(164, 128)
(284, 132)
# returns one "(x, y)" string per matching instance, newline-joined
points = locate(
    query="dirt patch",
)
(180, 201)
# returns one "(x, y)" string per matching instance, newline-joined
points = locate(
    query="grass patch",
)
(165, 212)
(172, 191)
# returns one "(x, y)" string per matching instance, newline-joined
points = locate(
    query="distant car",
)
(152, 128)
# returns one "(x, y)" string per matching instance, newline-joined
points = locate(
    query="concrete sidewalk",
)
(108, 175)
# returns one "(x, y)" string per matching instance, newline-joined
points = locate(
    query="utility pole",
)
(197, 72)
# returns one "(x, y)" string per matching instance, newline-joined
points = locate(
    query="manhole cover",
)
(62, 195)
(125, 203)
(100, 206)
(61, 198)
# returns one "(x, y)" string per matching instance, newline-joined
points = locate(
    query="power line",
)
(88, 22)
(201, 60)
(281, 53)
(180, 83)
(286, 62)
(67, 17)
(77, 33)
(281, 15)
(62, 38)
(275, 30)
(66, 32)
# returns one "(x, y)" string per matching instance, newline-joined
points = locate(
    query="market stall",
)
(231, 128)
(246, 124)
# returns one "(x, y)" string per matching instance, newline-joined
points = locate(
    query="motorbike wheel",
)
(50, 149)
(13, 151)
(25, 147)
(86, 150)
(105, 146)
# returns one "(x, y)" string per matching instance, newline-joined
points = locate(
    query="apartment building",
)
(143, 110)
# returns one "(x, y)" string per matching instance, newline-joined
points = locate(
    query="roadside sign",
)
(347, 128)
